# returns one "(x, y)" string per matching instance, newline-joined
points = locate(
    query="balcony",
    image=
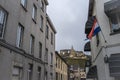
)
(112, 7)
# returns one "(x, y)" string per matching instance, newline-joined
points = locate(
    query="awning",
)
(92, 73)
(89, 25)
(112, 7)
(87, 46)
(114, 65)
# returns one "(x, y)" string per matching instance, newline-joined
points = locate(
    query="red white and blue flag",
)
(95, 29)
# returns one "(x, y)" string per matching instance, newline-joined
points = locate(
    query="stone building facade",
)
(27, 41)
(61, 68)
(76, 61)
(105, 46)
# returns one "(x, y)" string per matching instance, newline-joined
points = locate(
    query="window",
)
(51, 76)
(30, 70)
(60, 64)
(42, 6)
(24, 3)
(47, 32)
(46, 76)
(39, 73)
(51, 38)
(17, 73)
(41, 22)
(40, 50)
(57, 76)
(20, 33)
(71, 67)
(61, 77)
(3, 17)
(46, 55)
(32, 41)
(34, 12)
(115, 22)
(56, 62)
(51, 58)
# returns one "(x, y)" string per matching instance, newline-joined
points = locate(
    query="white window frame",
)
(32, 41)
(24, 3)
(20, 32)
(40, 50)
(34, 12)
(3, 18)
(41, 22)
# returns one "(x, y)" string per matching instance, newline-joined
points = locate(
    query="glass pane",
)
(2, 15)
(18, 36)
(41, 22)
(33, 12)
(23, 2)
(30, 44)
(115, 22)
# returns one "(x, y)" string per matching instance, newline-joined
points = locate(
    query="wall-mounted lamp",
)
(106, 59)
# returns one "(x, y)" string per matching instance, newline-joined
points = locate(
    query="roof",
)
(51, 24)
(60, 57)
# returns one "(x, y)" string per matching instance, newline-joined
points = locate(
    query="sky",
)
(69, 18)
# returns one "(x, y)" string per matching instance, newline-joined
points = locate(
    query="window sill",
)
(25, 8)
(115, 32)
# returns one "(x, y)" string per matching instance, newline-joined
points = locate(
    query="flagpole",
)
(101, 31)
(103, 36)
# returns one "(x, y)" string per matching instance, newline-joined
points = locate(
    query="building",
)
(27, 41)
(105, 46)
(76, 61)
(61, 68)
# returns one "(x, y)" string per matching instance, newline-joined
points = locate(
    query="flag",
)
(95, 29)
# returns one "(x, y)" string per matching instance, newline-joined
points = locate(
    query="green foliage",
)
(73, 61)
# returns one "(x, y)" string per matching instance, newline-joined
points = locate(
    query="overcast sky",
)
(69, 17)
